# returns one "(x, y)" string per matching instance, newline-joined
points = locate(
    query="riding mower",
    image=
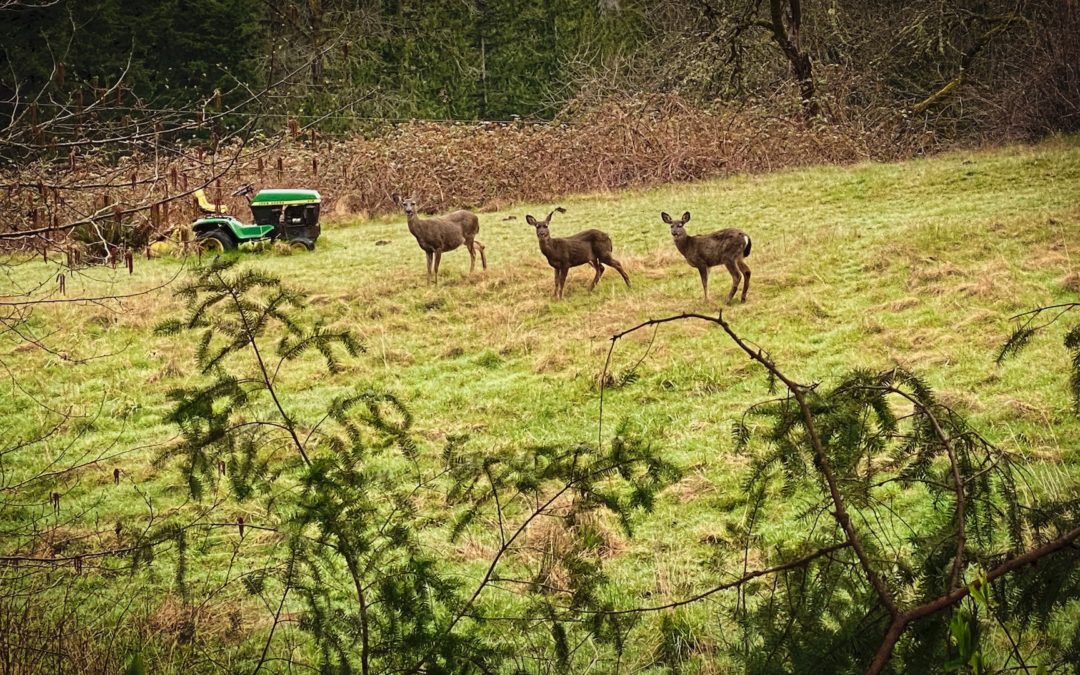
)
(286, 215)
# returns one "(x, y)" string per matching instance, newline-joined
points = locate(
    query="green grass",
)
(918, 264)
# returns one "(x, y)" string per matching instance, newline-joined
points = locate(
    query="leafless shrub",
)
(1049, 84)
(630, 142)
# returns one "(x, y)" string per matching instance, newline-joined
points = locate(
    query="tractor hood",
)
(285, 197)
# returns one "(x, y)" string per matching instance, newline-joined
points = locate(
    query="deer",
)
(589, 247)
(441, 234)
(724, 247)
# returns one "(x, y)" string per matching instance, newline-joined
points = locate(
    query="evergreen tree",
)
(170, 54)
(346, 486)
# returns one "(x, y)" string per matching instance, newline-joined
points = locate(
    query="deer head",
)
(406, 203)
(541, 226)
(678, 230)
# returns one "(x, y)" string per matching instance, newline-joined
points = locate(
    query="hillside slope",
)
(918, 264)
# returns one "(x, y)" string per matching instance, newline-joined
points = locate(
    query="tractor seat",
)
(206, 206)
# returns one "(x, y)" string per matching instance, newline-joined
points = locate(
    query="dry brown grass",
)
(901, 304)
(926, 273)
(180, 622)
(549, 541)
(693, 486)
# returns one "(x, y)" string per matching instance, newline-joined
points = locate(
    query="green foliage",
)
(1015, 343)
(677, 643)
(135, 665)
(349, 64)
(964, 638)
(174, 53)
(1072, 343)
(350, 511)
(1030, 327)
(699, 526)
(580, 492)
(886, 438)
(345, 491)
(486, 60)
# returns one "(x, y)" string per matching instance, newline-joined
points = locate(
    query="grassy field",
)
(918, 264)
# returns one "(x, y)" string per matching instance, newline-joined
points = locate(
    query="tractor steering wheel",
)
(243, 190)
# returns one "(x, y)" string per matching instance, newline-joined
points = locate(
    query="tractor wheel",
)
(216, 241)
(301, 246)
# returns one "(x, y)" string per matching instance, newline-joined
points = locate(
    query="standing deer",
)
(724, 247)
(438, 235)
(591, 247)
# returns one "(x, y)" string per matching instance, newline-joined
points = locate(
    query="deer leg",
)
(562, 281)
(472, 255)
(558, 273)
(483, 258)
(736, 278)
(438, 259)
(746, 279)
(428, 254)
(704, 272)
(599, 273)
(618, 268)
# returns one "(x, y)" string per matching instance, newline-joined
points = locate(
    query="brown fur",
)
(725, 247)
(444, 233)
(590, 247)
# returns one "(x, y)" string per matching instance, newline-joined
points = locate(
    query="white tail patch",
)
(746, 240)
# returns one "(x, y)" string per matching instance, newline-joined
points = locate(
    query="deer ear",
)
(396, 197)
(530, 220)
(665, 217)
(686, 217)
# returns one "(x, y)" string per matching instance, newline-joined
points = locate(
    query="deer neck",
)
(683, 243)
(546, 247)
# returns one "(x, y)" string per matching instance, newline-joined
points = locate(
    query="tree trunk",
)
(787, 38)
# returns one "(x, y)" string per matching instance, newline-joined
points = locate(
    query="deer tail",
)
(746, 251)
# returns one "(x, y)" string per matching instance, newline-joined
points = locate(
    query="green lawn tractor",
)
(286, 215)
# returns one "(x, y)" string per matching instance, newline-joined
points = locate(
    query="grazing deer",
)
(591, 247)
(438, 235)
(724, 247)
